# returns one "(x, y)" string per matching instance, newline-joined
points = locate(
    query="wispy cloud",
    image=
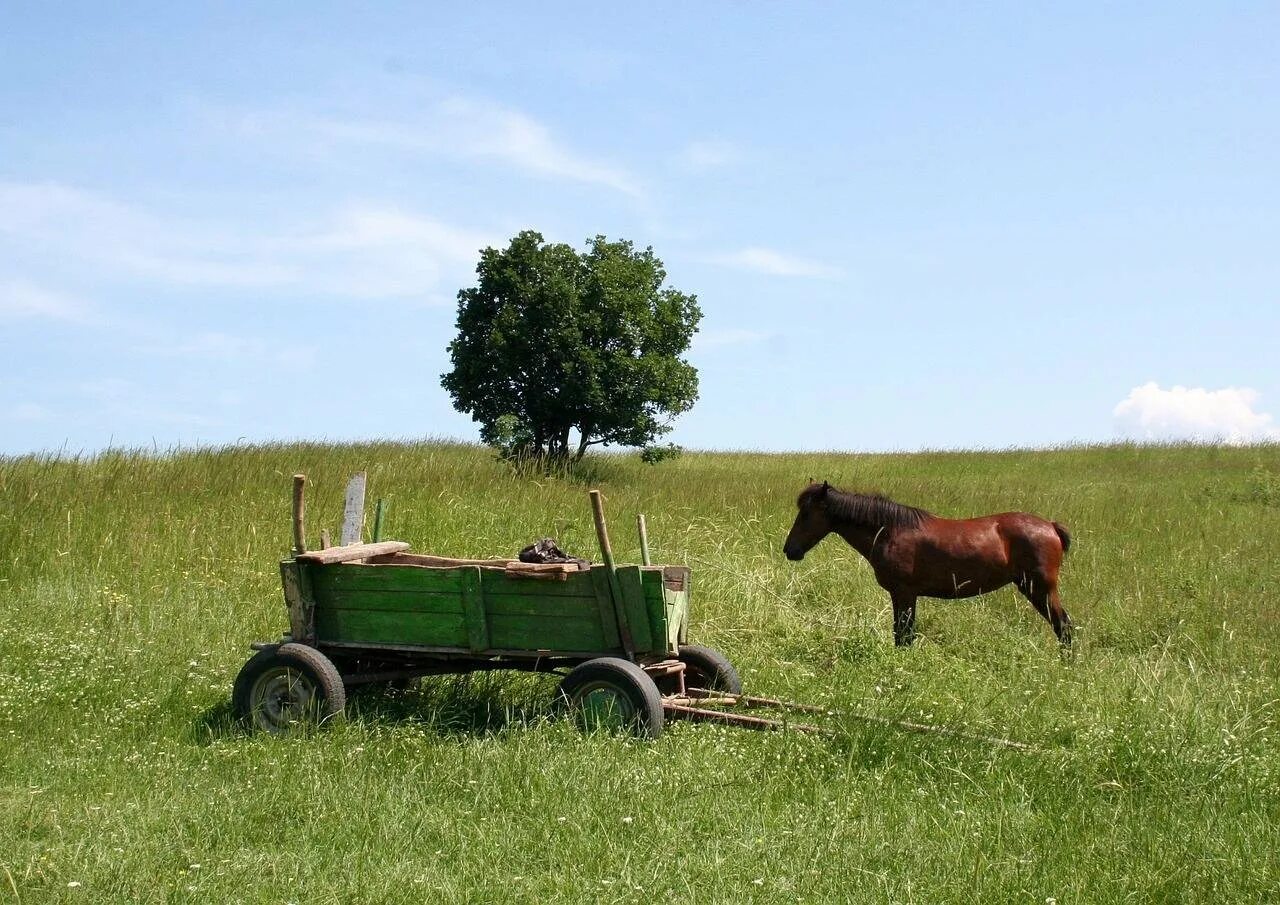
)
(365, 252)
(775, 263)
(455, 127)
(709, 154)
(24, 299)
(1194, 413)
(215, 346)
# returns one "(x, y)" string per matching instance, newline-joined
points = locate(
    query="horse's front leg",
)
(904, 618)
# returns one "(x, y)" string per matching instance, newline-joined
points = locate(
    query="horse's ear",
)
(825, 488)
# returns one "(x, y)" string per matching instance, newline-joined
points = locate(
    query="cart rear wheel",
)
(706, 667)
(610, 693)
(286, 688)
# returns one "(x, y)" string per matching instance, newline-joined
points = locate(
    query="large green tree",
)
(558, 350)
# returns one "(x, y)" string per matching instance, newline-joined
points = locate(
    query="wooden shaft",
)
(602, 531)
(377, 520)
(644, 539)
(299, 513)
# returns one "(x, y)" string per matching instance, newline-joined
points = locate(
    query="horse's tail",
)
(1063, 535)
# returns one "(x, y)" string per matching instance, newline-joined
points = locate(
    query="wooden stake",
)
(644, 539)
(325, 541)
(615, 589)
(299, 513)
(377, 519)
(602, 531)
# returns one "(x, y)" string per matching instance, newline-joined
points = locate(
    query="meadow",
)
(131, 584)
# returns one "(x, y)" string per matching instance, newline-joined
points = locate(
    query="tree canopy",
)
(558, 350)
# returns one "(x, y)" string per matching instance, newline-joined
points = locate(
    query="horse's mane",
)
(871, 510)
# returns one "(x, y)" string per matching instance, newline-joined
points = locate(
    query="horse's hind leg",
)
(1043, 595)
(904, 619)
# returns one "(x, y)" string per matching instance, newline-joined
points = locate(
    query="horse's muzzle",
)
(793, 555)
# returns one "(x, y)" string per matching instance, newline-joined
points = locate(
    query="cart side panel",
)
(532, 614)
(644, 632)
(390, 604)
(666, 591)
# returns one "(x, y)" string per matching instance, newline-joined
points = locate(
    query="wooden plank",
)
(397, 601)
(389, 578)
(413, 580)
(395, 626)
(452, 653)
(299, 514)
(351, 552)
(643, 531)
(610, 635)
(353, 511)
(290, 579)
(642, 634)
(552, 633)
(426, 559)
(658, 611)
(473, 606)
(531, 605)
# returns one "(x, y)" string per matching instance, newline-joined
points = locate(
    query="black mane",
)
(869, 510)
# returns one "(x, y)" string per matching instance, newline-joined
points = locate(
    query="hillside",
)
(131, 585)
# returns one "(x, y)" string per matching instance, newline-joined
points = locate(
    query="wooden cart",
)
(364, 613)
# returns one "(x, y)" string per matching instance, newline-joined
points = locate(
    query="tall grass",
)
(132, 583)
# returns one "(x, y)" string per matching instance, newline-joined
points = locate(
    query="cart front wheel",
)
(287, 688)
(612, 694)
(706, 667)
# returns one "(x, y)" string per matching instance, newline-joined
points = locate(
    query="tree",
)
(558, 350)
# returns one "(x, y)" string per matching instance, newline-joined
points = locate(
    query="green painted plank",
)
(576, 584)
(658, 612)
(604, 604)
(473, 610)
(581, 632)
(401, 601)
(386, 578)
(554, 607)
(636, 613)
(389, 626)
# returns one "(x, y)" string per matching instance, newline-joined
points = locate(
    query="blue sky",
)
(909, 226)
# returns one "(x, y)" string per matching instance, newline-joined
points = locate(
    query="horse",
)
(915, 553)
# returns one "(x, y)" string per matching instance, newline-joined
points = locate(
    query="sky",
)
(909, 226)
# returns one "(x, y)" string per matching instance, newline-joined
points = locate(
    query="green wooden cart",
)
(376, 614)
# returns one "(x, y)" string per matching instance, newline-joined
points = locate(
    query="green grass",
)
(131, 585)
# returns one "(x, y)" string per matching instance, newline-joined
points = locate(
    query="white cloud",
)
(217, 346)
(710, 154)
(775, 263)
(1194, 413)
(363, 252)
(455, 127)
(24, 299)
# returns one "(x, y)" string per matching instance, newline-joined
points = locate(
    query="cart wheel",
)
(706, 667)
(288, 687)
(609, 693)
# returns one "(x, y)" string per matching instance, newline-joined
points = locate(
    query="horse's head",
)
(812, 521)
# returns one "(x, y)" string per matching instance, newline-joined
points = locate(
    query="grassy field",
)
(131, 585)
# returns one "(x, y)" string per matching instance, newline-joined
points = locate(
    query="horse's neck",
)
(860, 537)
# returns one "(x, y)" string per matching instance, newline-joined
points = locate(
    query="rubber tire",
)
(621, 676)
(706, 667)
(330, 695)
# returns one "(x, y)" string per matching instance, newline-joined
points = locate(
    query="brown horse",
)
(917, 554)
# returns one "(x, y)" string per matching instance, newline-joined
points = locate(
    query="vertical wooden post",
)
(325, 541)
(644, 539)
(299, 514)
(377, 519)
(602, 531)
(353, 511)
(615, 589)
